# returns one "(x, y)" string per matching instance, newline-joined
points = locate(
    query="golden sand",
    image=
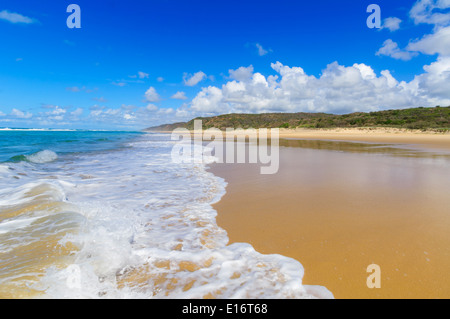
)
(339, 207)
(424, 139)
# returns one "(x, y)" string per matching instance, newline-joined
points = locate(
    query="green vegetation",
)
(437, 119)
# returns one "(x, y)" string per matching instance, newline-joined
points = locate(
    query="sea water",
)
(109, 215)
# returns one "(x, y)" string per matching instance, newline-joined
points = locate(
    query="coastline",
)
(427, 139)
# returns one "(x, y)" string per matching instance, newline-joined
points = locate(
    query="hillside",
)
(437, 118)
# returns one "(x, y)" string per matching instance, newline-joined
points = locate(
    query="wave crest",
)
(42, 157)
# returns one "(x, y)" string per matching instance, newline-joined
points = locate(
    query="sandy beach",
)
(424, 139)
(345, 199)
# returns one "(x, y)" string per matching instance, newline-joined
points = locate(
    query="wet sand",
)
(421, 139)
(338, 207)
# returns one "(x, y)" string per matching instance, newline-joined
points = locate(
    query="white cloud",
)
(183, 112)
(242, 73)
(166, 110)
(140, 75)
(391, 49)
(151, 95)
(192, 80)
(179, 96)
(431, 12)
(112, 111)
(160, 79)
(339, 89)
(434, 12)
(151, 107)
(435, 43)
(21, 115)
(143, 75)
(392, 23)
(434, 84)
(261, 50)
(2, 114)
(121, 84)
(57, 118)
(209, 100)
(77, 112)
(15, 17)
(57, 111)
(128, 117)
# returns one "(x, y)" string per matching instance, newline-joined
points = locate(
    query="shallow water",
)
(108, 215)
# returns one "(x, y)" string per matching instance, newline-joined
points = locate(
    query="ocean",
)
(88, 214)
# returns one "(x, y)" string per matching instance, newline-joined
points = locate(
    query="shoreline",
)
(427, 139)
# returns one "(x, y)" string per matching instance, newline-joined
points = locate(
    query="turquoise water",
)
(15, 145)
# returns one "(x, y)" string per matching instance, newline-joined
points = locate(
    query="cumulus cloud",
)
(77, 112)
(435, 43)
(391, 49)
(431, 12)
(179, 96)
(242, 73)
(57, 111)
(128, 116)
(55, 114)
(434, 83)
(192, 80)
(152, 107)
(21, 115)
(151, 95)
(434, 12)
(166, 110)
(15, 17)
(437, 13)
(339, 89)
(392, 24)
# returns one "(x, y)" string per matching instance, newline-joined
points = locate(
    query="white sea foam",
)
(11, 225)
(42, 157)
(4, 169)
(36, 129)
(149, 231)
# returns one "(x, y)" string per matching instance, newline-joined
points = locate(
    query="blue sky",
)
(139, 63)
